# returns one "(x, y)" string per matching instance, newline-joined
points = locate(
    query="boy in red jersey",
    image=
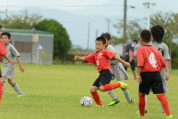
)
(150, 63)
(101, 59)
(3, 54)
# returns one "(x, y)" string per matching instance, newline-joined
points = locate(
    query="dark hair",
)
(106, 35)
(145, 35)
(135, 41)
(102, 39)
(7, 34)
(157, 32)
(0, 26)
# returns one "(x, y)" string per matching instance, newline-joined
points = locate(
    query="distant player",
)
(118, 72)
(129, 56)
(101, 59)
(9, 68)
(150, 64)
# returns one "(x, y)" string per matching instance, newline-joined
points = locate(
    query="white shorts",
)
(8, 70)
(119, 71)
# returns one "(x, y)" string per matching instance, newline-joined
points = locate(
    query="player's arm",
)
(7, 58)
(79, 58)
(130, 55)
(139, 79)
(22, 69)
(127, 64)
(167, 69)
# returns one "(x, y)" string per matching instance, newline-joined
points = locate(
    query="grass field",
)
(54, 92)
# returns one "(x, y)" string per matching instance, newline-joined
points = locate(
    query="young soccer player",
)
(150, 63)
(129, 56)
(101, 59)
(157, 32)
(8, 68)
(118, 72)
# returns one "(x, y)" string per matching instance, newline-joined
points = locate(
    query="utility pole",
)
(96, 33)
(108, 25)
(125, 19)
(148, 5)
(88, 36)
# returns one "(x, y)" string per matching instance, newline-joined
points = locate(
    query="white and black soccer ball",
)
(86, 101)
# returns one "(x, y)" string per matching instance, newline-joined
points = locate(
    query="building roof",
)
(24, 31)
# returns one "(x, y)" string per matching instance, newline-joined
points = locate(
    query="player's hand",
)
(127, 64)
(139, 79)
(130, 60)
(12, 62)
(76, 57)
(22, 69)
(167, 76)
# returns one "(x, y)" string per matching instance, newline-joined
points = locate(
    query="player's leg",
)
(95, 95)
(121, 75)
(105, 78)
(157, 87)
(132, 66)
(1, 89)
(143, 90)
(165, 85)
(4, 85)
(115, 100)
(16, 88)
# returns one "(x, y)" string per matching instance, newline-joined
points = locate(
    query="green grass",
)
(54, 92)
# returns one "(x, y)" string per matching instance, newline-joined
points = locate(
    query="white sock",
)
(111, 93)
(127, 95)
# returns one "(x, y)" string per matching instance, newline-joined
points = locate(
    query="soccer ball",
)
(86, 101)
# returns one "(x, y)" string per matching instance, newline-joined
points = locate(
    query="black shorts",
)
(151, 80)
(103, 79)
(132, 64)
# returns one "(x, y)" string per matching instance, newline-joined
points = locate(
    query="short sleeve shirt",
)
(110, 48)
(12, 52)
(2, 49)
(100, 59)
(129, 47)
(162, 47)
(150, 59)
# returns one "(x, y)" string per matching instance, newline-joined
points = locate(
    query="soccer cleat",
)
(138, 114)
(144, 111)
(130, 103)
(1, 100)
(99, 105)
(123, 85)
(113, 102)
(169, 117)
(23, 95)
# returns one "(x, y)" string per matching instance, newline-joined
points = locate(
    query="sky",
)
(95, 12)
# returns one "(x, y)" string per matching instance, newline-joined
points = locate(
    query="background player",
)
(129, 56)
(8, 68)
(118, 72)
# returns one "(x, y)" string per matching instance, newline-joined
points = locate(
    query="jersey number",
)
(152, 60)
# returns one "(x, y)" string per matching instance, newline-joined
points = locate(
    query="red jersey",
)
(150, 59)
(100, 59)
(2, 49)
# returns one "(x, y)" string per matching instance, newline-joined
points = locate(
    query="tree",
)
(62, 43)
(133, 30)
(23, 20)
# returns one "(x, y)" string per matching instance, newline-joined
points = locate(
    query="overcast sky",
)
(108, 8)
